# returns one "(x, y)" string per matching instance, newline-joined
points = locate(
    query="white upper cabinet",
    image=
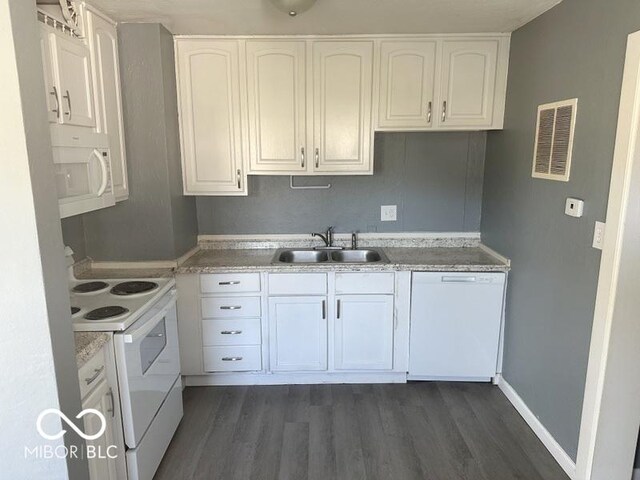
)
(444, 84)
(276, 94)
(407, 84)
(103, 44)
(342, 89)
(310, 105)
(72, 76)
(210, 117)
(51, 90)
(468, 83)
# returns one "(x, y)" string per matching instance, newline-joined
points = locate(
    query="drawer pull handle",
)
(97, 372)
(230, 307)
(232, 282)
(231, 332)
(231, 359)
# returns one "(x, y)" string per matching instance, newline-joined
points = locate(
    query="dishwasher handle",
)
(458, 279)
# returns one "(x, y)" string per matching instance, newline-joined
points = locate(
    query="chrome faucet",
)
(354, 241)
(327, 238)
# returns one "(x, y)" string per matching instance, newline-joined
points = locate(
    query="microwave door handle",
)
(104, 169)
(144, 329)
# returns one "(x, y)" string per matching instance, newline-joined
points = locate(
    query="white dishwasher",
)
(455, 325)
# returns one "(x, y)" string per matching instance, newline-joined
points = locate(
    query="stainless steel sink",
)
(357, 256)
(302, 256)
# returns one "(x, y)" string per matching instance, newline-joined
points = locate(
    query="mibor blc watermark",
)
(89, 451)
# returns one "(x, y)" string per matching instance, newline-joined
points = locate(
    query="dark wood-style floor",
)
(435, 431)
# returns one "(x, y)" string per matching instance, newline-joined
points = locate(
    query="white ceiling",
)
(330, 16)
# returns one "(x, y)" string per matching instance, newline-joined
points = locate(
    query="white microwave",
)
(82, 171)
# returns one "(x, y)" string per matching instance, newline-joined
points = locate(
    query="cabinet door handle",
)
(68, 97)
(55, 95)
(429, 110)
(302, 157)
(324, 309)
(338, 309)
(231, 282)
(95, 375)
(317, 157)
(230, 307)
(231, 332)
(231, 359)
(112, 409)
(444, 110)
(238, 173)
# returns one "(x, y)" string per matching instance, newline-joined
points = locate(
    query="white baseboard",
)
(636, 474)
(564, 460)
(227, 379)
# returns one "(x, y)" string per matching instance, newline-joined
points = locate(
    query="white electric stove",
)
(113, 305)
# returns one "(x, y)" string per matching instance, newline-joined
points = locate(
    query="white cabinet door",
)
(210, 116)
(407, 76)
(51, 90)
(277, 106)
(72, 73)
(103, 44)
(298, 333)
(342, 89)
(468, 83)
(101, 467)
(364, 332)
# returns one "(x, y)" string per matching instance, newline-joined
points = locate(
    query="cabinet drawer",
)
(244, 331)
(367, 283)
(230, 307)
(232, 359)
(229, 282)
(298, 284)
(92, 372)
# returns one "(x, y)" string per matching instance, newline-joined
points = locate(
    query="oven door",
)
(148, 362)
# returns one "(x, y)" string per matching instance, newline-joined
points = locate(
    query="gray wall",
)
(435, 179)
(574, 50)
(156, 222)
(73, 235)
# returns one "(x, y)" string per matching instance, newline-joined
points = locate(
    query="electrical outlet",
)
(388, 213)
(598, 235)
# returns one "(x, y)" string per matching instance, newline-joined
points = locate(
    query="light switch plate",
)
(574, 207)
(388, 213)
(598, 235)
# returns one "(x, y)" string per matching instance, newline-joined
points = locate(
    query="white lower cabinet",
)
(298, 333)
(236, 358)
(364, 332)
(99, 391)
(101, 399)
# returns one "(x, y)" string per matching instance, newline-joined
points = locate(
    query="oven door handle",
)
(148, 326)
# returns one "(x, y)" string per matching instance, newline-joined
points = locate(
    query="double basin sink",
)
(304, 255)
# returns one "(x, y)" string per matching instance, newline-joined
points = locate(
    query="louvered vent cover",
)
(554, 140)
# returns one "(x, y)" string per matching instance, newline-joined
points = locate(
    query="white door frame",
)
(611, 408)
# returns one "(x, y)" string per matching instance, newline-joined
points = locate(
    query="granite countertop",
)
(461, 259)
(88, 344)
(118, 273)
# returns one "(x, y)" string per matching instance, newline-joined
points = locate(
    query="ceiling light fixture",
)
(293, 7)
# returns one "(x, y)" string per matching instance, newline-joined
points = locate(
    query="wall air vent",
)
(554, 140)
